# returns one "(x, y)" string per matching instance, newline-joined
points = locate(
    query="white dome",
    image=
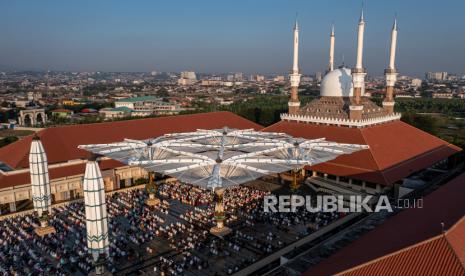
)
(337, 83)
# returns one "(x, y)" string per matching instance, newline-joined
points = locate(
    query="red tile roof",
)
(445, 205)
(396, 149)
(456, 238)
(432, 257)
(61, 143)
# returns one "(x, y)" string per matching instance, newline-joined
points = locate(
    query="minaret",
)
(96, 215)
(391, 73)
(294, 102)
(358, 75)
(40, 184)
(331, 49)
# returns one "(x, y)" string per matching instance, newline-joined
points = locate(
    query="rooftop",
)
(405, 229)
(139, 99)
(396, 149)
(61, 143)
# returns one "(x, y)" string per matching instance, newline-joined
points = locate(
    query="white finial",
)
(331, 49)
(392, 52)
(361, 15)
(361, 29)
(296, 24)
(295, 63)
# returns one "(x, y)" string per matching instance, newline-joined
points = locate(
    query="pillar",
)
(40, 186)
(219, 230)
(152, 190)
(96, 216)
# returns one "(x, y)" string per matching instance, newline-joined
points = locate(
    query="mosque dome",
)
(337, 83)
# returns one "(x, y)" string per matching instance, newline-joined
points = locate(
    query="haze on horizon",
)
(227, 36)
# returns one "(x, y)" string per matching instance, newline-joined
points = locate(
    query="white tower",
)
(358, 74)
(392, 53)
(96, 215)
(40, 184)
(294, 77)
(332, 39)
(390, 72)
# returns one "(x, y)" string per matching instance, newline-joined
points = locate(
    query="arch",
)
(40, 118)
(27, 120)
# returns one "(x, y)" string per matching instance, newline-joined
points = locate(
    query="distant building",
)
(257, 78)
(32, 117)
(183, 81)
(436, 76)
(444, 95)
(69, 102)
(279, 79)
(62, 113)
(190, 75)
(211, 82)
(130, 102)
(318, 76)
(416, 82)
(117, 112)
(156, 106)
(238, 76)
(147, 105)
(187, 78)
(34, 96)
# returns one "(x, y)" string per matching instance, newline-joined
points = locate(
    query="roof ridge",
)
(371, 154)
(446, 235)
(461, 220)
(439, 236)
(373, 157)
(454, 252)
(271, 125)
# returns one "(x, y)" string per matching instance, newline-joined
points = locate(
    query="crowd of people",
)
(133, 225)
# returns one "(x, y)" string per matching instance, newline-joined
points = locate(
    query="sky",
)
(227, 36)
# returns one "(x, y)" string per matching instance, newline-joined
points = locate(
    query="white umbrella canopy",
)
(225, 157)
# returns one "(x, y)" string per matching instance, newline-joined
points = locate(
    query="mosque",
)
(51, 166)
(342, 114)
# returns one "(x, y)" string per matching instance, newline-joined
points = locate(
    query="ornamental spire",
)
(40, 181)
(361, 30)
(391, 72)
(392, 53)
(96, 215)
(294, 76)
(295, 64)
(331, 49)
(40, 184)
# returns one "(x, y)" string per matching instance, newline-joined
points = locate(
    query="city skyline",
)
(210, 37)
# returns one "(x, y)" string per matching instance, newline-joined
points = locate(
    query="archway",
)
(27, 120)
(39, 119)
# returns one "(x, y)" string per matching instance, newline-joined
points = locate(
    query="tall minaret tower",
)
(40, 183)
(294, 103)
(96, 215)
(358, 74)
(331, 49)
(391, 73)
